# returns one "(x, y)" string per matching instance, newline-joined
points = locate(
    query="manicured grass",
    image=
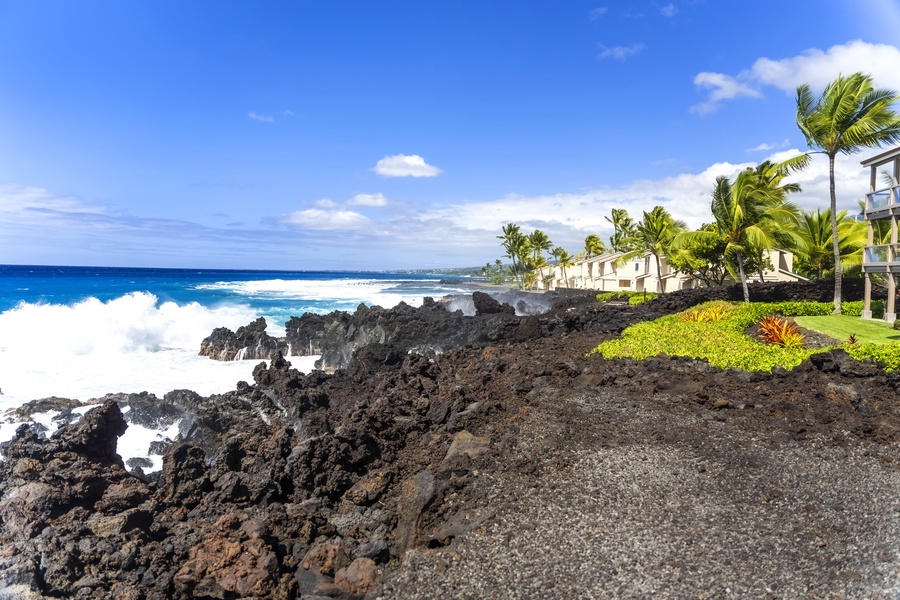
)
(715, 331)
(841, 327)
(717, 336)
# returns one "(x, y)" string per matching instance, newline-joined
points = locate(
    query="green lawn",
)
(840, 327)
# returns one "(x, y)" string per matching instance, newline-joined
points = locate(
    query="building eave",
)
(880, 159)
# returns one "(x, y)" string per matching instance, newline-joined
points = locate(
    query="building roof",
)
(882, 158)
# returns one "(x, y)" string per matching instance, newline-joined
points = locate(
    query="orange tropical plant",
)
(779, 332)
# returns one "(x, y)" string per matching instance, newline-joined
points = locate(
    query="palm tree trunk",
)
(740, 261)
(658, 274)
(834, 239)
(762, 274)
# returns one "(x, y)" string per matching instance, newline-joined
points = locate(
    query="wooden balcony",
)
(884, 258)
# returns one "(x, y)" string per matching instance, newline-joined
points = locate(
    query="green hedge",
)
(633, 298)
(887, 355)
(855, 308)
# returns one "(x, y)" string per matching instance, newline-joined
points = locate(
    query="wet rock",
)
(487, 305)
(250, 342)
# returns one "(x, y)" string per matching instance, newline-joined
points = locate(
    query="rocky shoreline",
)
(504, 463)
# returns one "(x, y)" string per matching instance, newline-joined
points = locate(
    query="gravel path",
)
(640, 499)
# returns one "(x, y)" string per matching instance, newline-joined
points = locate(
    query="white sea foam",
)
(130, 344)
(369, 291)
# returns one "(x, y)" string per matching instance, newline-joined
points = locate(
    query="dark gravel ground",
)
(673, 480)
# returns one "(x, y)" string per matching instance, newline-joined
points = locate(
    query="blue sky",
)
(397, 134)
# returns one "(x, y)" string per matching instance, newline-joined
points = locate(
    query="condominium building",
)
(881, 258)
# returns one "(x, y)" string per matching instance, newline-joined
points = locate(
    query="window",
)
(624, 283)
(637, 267)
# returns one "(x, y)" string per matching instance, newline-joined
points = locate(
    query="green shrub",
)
(609, 296)
(887, 355)
(641, 297)
(722, 343)
(855, 308)
(633, 298)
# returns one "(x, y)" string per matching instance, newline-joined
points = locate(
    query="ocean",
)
(83, 332)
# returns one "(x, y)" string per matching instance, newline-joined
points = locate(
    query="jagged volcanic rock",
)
(320, 484)
(250, 342)
(428, 329)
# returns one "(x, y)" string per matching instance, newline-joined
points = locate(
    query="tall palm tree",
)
(849, 115)
(623, 230)
(769, 187)
(513, 241)
(750, 214)
(815, 244)
(593, 246)
(539, 243)
(653, 234)
(564, 260)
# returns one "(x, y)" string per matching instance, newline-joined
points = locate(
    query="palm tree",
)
(623, 230)
(564, 260)
(769, 188)
(849, 115)
(751, 214)
(513, 242)
(593, 246)
(537, 263)
(539, 243)
(653, 234)
(815, 244)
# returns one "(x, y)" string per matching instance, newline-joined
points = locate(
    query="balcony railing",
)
(882, 199)
(877, 255)
(886, 254)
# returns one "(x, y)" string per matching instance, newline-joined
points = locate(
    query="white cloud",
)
(668, 10)
(724, 87)
(288, 113)
(37, 223)
(619, 52)
(316, 218)
(24, 201)
(402, 165)
(257, 117)
(368, 200)
(568, 217)
(598, 12)
(814, 67)
(767, 147)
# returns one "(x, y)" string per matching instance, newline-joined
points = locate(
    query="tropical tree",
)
(593, 246)
(623, 230)
(772, 191)
(539, 243)
(814, 254)
(748, 213)
(564, 260)
(536, 264)
(516, 245)
(701, 258)
(849, 115)
(653, 234)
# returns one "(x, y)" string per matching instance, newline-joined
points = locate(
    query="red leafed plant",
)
(779, 332)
